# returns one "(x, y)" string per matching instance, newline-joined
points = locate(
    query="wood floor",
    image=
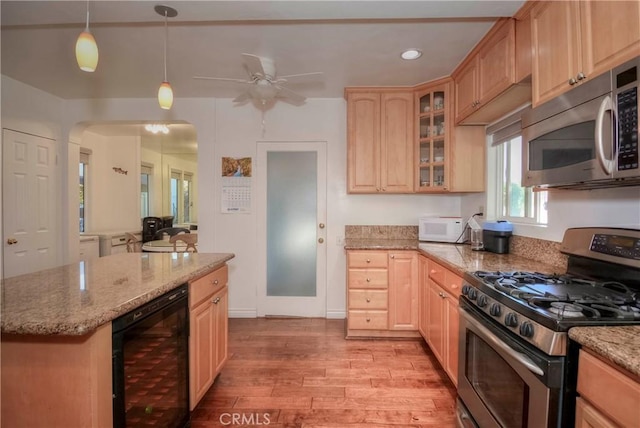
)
(303, 373)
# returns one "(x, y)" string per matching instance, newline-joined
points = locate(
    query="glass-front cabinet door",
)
(433, 107)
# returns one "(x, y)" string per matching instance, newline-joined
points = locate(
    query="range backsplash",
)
(547, 252)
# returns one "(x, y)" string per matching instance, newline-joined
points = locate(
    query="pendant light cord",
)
(86, 28)
(166, 36)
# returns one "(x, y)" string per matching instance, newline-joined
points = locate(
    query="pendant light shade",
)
(165, 93)
(87, 49)
(165, 96)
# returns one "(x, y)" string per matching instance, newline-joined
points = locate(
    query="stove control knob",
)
(511, 320)
(494, 309)
(472, 293)
(526, 329)
(482, 300)
(465, 289)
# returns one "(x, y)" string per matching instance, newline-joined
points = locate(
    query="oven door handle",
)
(486, 333)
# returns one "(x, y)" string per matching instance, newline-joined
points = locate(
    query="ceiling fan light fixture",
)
(411, 54)
(165, 93)
(156, 128)
(87, 49)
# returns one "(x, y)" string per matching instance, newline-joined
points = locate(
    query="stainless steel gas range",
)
(517, 367)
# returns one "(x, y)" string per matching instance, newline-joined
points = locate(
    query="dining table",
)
(163, 246)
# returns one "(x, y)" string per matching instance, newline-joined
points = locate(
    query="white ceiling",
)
(354, 43)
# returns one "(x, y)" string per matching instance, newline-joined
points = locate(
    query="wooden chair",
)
(171, 231)
(134, 245)
(189, 239)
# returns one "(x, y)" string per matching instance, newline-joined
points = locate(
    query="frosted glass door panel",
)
(291, 223)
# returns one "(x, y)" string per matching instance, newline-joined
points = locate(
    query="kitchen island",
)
(56, 332)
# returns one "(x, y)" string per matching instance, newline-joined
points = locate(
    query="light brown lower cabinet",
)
(382, 293)
(608, 396)
(440, 309)
(208, 339)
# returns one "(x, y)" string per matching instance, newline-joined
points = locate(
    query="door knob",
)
(12, 241)
(320, 240)
(321, 225)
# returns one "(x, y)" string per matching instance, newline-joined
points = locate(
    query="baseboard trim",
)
(336, 315)
(243, 313)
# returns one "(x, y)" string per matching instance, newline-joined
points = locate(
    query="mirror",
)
(167, 184)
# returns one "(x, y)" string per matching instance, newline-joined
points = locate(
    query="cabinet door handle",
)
(216, 301)
(368, 261)
(581, 76)
(393, 256)
(368, 300)
(572, 81)
(214, 282)
(368, 279)
(368, 319)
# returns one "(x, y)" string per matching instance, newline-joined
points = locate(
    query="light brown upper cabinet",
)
(573, 41)
(485, 82)
(380, 140)
(448, 158)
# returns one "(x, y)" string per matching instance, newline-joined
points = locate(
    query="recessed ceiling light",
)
(411, 54)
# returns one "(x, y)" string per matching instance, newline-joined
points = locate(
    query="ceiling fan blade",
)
(288, 76)
(289, 96)
(253, 63)
(242, 98)
(223, 79)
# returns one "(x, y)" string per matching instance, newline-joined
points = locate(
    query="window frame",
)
(146, 169)
(84, 161)
(499, 136)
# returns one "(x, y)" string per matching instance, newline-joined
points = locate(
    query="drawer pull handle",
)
(215, 282)
(368, 261)
(368, 319)
(368, 279)
(216, 301)
(393, 256)
(368, 300)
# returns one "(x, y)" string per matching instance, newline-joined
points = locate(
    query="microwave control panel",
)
(628, 129)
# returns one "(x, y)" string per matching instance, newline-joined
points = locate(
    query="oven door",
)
(502, 381)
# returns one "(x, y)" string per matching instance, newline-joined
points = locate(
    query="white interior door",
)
(29, 185)
(291, 203)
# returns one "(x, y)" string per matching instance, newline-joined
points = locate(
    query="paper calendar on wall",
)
(236, 185)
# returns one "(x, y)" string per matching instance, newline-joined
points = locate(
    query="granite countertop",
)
(620, 345)
(77, 298)
(457, 257)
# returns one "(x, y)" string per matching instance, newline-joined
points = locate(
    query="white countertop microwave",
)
(440, 229)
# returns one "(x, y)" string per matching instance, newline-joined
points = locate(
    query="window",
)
(186, 197)
(82, 172)
(146, 172)
(512, 201)
(176, 178)
(181, 189)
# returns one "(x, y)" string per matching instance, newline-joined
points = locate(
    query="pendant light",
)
(87, 49)
(165, 93)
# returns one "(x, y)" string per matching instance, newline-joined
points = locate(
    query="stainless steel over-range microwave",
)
(587, 137)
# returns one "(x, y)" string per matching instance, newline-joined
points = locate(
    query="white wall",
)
(226, 130)
(238, 129)
(113, 198)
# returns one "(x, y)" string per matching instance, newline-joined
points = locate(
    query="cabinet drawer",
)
(367, 259)
(368, 320)
(368, 299)
(205, 286)
(437, 273)
(367, 278)
(609, 390)
(452, 283)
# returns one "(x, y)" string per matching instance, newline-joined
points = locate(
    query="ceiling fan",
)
(263, 85)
